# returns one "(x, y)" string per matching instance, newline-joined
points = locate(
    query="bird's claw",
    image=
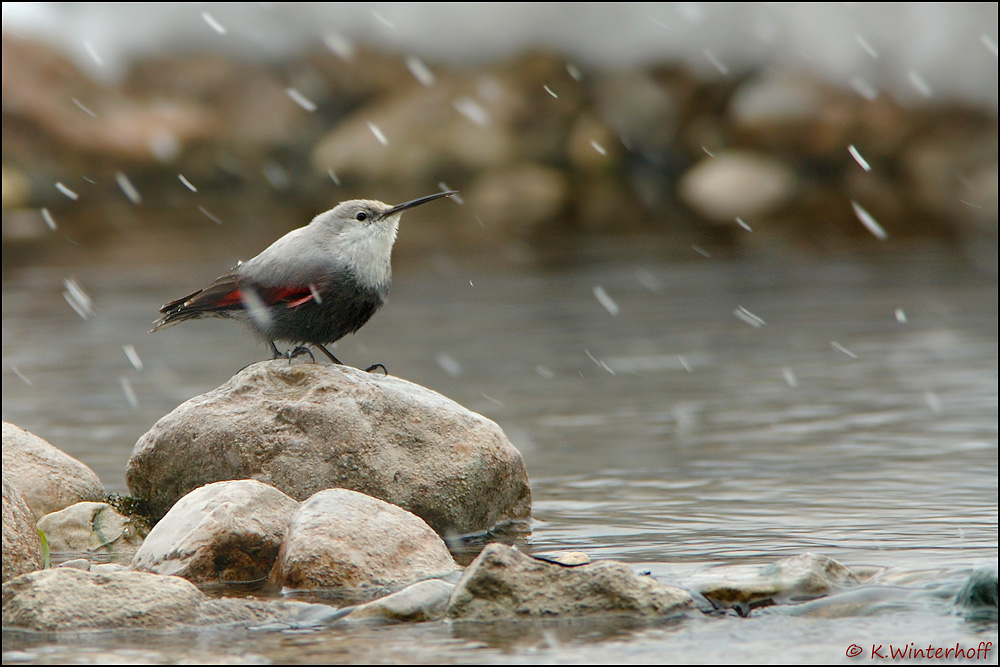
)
(372, 368)
(298, 352)
(291, 354)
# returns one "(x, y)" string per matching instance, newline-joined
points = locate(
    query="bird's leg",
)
(329, 355)
(276, 353)
(340, 363)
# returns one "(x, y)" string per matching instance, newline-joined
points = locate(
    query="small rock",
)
(76, 564)
(737, 184)
(47, 478)
(21, 546)
(226, 532)
(419, 602)
(795, 579)
(979, 596)
(307, 427)
(357, 547)
(92, 527)
(504, 584)
(566, 559)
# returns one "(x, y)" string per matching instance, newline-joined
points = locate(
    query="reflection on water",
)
(678, 415)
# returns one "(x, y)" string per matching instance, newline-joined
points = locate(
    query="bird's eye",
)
(361, 216)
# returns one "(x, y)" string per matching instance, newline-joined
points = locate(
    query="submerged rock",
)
(422, 601)
(71, 600)
(504, 584)
(226, 532)
(21, 546)
(980, 594)
(307, 427)
(349, 546)
(794, 579)
(91, 527)
(47, 478)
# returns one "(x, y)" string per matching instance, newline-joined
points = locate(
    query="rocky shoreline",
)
(538, 145)
(350, 553)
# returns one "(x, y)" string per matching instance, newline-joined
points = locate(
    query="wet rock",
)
(91, 527)
(737, 184)
(566, 559)
(862, 601)
(504, 584)
(795, 579)
(307, 427)
(226, 532)
(979, 596)
(76, 564)
(520, 199)
(352, 547)
(419, 602)
(47, 479)
(71, 600)
(21, 546)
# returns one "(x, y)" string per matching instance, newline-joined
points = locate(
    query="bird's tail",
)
(218, 299)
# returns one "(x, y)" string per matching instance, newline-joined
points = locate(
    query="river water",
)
(678, 412)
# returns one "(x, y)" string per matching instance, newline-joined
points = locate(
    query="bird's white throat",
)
(367, 249)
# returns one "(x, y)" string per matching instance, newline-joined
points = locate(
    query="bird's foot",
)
(291, 354)
(298, 352)
(371, 369)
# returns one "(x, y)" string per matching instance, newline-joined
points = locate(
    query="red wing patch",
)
(230, 299)
(291, 296)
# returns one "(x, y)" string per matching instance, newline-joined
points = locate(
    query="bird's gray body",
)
(314, 285)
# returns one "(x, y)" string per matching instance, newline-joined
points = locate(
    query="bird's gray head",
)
(361, 233)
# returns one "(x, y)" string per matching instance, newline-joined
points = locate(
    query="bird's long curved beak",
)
(417, 202)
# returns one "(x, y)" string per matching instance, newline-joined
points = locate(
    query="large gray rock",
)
(226, 532)
(307, 427)
(504, 584)
(21, 546)
(91, 527)
(70, 600)
(47, 478)
(354, 548)
(67, 598)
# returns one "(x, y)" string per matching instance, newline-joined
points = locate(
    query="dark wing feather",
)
(221, 297)
(226, 295)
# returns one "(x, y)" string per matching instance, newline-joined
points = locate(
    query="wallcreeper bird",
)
(314, 285)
